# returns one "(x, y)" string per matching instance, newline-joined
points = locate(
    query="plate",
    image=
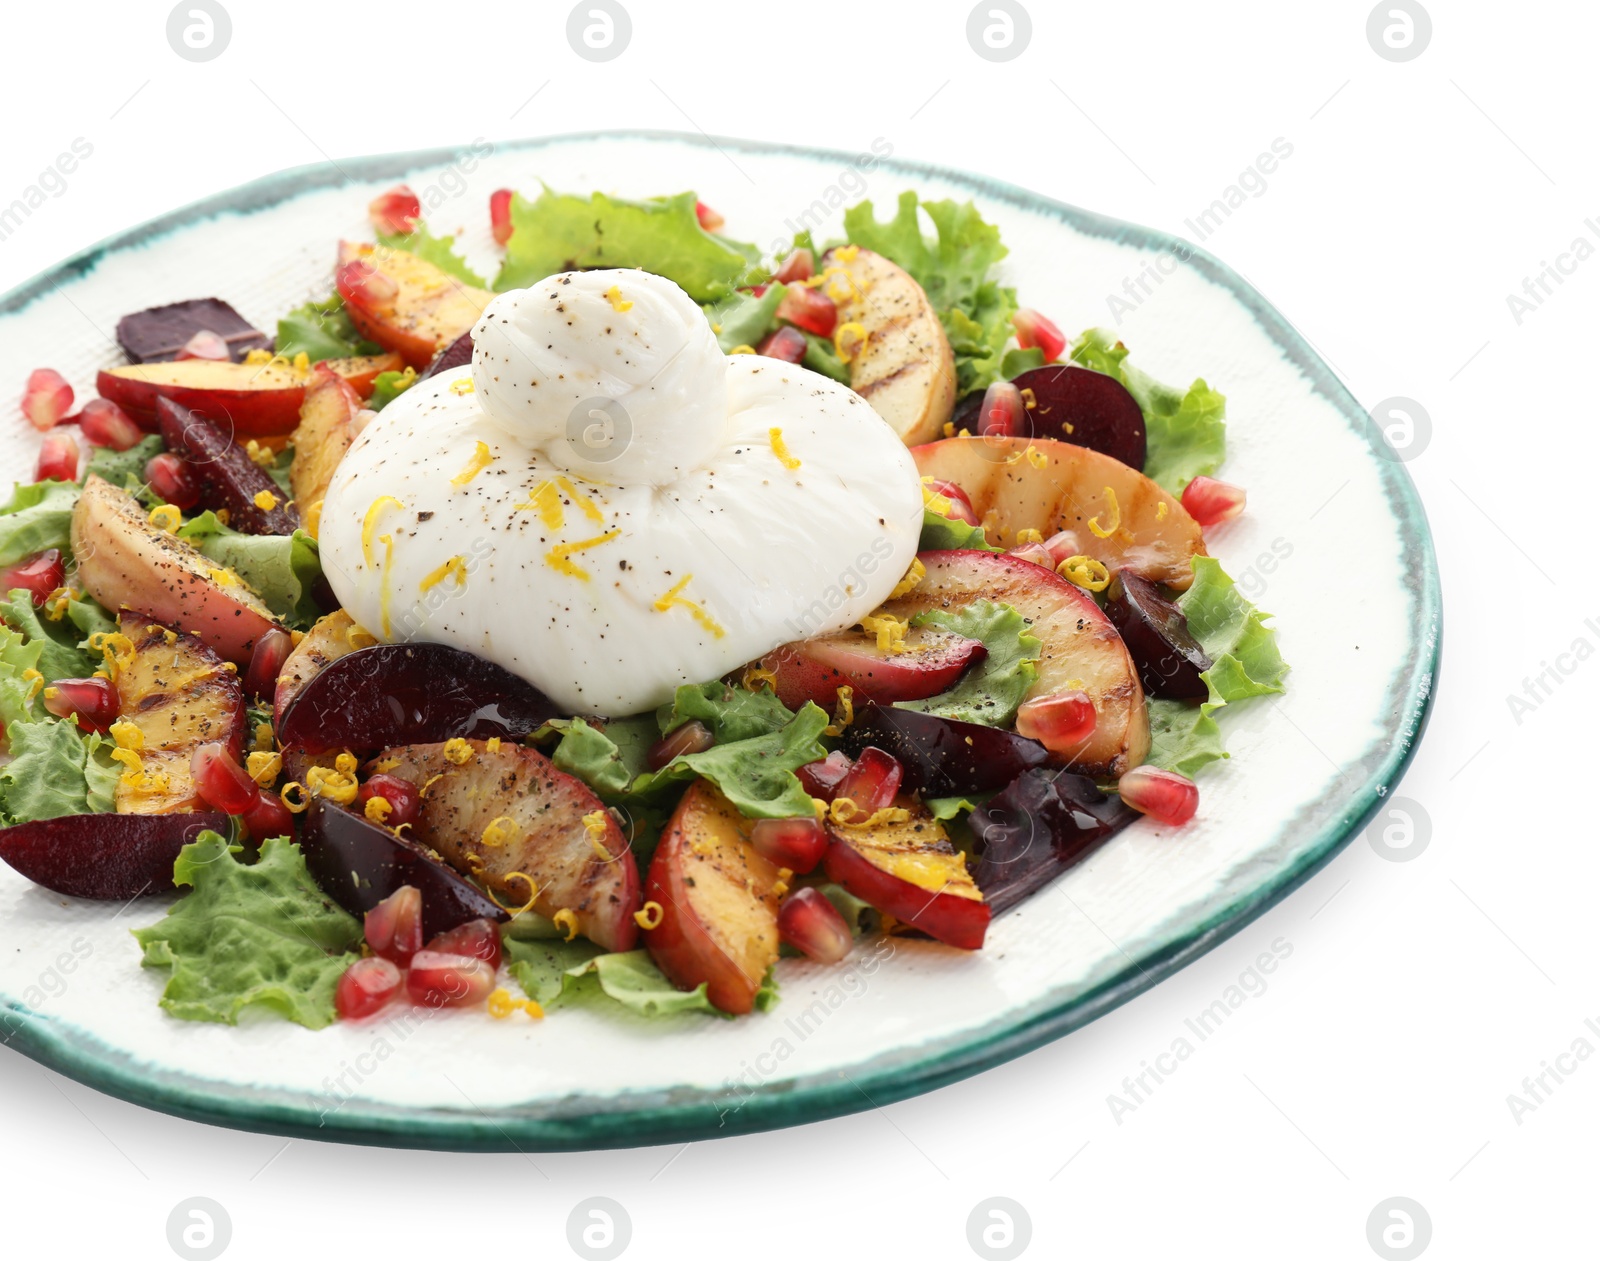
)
(1334, 542)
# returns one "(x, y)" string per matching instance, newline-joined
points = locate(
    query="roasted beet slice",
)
(358, 864)
(411, 694)
(1073, 404)
(458, 354)
(228, 477)
(107, 857)
(159, 333)
(1035, 828)
(1169, 658)
(942, 757)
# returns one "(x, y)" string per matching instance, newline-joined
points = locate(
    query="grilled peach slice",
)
(327, 428)
(910, 870)
(718, 899)
(1062, 487)
(428, 309)
(126, 563)
(815, 669)
(1080, 648)
(180, 694)
(508, 817)
(322, 645)
(905, 369)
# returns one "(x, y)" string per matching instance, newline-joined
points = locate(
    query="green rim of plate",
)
(636, 1119)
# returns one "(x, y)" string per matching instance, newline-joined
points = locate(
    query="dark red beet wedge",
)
(1169, 659)
(228, 477)
(943, 757)
(411, 694)
(1073, 404)
(106, 857)
(358, 864)
(458, 354)
(159, 333)
(1037, 827)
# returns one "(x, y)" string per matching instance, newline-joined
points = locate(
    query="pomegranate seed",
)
(810, 309)
(691, 737)
(788, 344)
(395, 213)
(1061, 721)
(367, 986)
(871, 782)
(1211, 502)
(821, 778)
(58, 459)
(268, 817)
(171, 477)
(500, 214)
(39, 575)
(358, 281)
(1034, 554)
(812, 925)
(393, 928)
(1034, 329)
(446, 980)
(266, 662)
(800, 265)
(1002, 414)
(105, 424)
(221, 781)
(960, 506)
(1063, 546)
(205, 345)
(755, 291)
(94, 701)
(477, 939)
(1165, 796)
(710, 220)
(401, 794)
(47, 399)
(797, 844)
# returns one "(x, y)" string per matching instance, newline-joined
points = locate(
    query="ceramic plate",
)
(1308, 768)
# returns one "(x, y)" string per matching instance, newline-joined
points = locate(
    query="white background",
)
(1418, 995)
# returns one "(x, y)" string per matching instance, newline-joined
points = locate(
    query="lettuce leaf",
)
(1245, 662)
(388, 386)
(991, 691)
(321, 330)
(941, 534)
(39, 516)
(18, 702)
(262, 935)
(1185, 430)
(953, 270)
(742, 319)
(438, 250)
(55, 771)
(559, 232)
(125, 469)
(732, 713)
(558, 973)
(57, 642)
(821, 357)
(608, 759)
(281, 568)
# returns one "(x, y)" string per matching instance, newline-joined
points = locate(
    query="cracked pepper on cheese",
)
(608, 506)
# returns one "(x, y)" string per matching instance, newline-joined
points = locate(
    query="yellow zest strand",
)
(1029, 535)
(265, 500)
(1030, 400)
(565, 919)
(781, 449)
(844, 714)
(617, 301)
(481, 459)
(264, 768)
(335, 785)
(456, 565)
(847, 253)
(358, 637)
(596, 825)
(255, 359)
(675, 599)
(1106, 531)
(1085, 572)
(492, 744)
(384, 594)
(533, 896)
(912, 580)
(757, 677)
(457, 751)
(463, 387)
(1036, 457)
(1161, 511)
(346, 763)
(429, 783)
(649, 916)
(499, 831)
(854, 331)
(369, 523)
(502, 1004)
(294, 796)
(116, 648)
(842, 811)
(743, 350)
(126, 735)
(557, 556)
(586, 505)
(377, 809)
(264, 739)
(167, 518)
(311, 519)
(546, 501)
(889, 629)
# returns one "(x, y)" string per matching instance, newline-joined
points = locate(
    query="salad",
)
(611, 632)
